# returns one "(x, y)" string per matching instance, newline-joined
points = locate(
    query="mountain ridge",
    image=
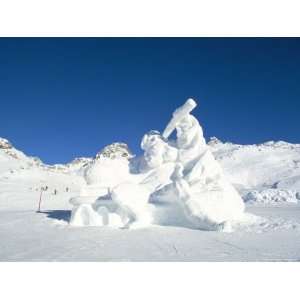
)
(268, 171)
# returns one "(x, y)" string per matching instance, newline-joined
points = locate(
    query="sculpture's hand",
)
(178, 114)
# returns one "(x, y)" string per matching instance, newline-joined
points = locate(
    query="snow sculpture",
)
(158, 161)
(190, 141)
(183, 173)
(83, 213)
(207, 197)
(157, 150)
(101, 176)
(103, 172)
(133, 204)
(178, 115)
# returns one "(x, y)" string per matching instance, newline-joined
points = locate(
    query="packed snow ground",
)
(28, 236)
(262, 170)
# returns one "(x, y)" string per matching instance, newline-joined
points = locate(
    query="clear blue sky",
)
(65, 98)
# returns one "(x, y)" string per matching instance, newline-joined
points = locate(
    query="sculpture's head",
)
(152, 138)
(157, 150)
(185, 123)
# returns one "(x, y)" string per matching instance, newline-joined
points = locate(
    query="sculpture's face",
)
(183, 130)
(185, 124)
(154, 151)
(150, 139)
(153, 140)
(154, 147)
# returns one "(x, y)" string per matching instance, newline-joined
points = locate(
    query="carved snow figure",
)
(190, 141)
(207, 197)
(133, 205)
(158, 161)
(102, 172)
(132, 197)
(101, 176)
(83, 213)
(156, 150)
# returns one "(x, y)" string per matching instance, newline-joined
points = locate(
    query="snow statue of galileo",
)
(182, 172)
(207, 198)
(190, 141)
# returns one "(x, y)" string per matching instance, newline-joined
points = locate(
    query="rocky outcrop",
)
(115, 151)
(214, 141)
(5, 144)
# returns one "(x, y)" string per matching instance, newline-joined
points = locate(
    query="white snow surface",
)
(267, 165)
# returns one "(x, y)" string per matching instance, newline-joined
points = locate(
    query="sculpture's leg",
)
(103, 212)
(85, 215)
(126, 216)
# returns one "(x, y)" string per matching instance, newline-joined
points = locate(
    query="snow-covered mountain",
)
(22, 177)
(268, 172)
(12, 159)
(271, 164)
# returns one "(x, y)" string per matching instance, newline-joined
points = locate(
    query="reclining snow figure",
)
(181, 173)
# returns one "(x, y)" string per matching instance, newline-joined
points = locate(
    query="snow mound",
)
(272, 196)
(292, 182)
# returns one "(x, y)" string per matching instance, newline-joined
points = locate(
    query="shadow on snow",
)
(61, 215)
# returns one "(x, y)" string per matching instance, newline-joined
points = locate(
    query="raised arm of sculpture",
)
(178, 115)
